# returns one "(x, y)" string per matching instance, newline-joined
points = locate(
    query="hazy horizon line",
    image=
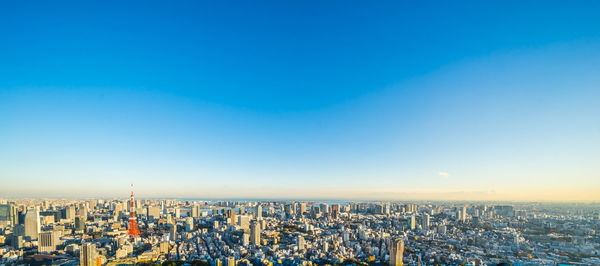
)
(267, 199)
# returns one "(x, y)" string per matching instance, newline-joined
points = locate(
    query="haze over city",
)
(325, 100)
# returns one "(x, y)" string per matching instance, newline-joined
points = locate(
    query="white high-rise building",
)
(196, 210)
(32, 223)
(244, 222)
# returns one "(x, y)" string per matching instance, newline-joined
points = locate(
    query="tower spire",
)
(132, 228)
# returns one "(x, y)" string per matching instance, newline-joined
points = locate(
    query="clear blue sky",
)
(328, 99)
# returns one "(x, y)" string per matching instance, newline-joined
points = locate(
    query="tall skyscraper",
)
(4, 214)
(189, 224)
(173, 232)
(12, 214)
(69, 213)
(425, 221)
(288, 209)
(258, 212)
(87, 254)
(32, 223)
(230, 213)
(412, 222)
(79, 223)
(396, 251)
(335, 209)
(196, 210)
(255, 233)
(244, 222)
(324, 208)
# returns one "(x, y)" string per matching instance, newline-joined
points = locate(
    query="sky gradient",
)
(307, 99)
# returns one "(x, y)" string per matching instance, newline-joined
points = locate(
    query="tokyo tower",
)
(132, 229)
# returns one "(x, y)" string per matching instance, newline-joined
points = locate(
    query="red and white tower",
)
(132, 229)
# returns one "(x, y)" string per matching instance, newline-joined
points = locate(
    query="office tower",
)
(4, 213)
(288, 210)
(425, 221)
(255, 233)
(69, 213)
(173, 232)
(17, 241)
(47, 242)
(324, 208)
(132, 229)
(32, 224)
(244, 222)
(177, 213)
(196, 210)
(163, 247)
(12, 214)
(258, 212)
(464, 213)
(412, 222)
(300, 242)
(21, 216)
(302, 207)
(396, 251)
(87, 254)
(153, 212)
(231, 215)
(79, 223)
(189, 224)
(83, 211)
(230, 261)
(335, 208)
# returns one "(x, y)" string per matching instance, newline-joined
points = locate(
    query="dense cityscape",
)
(284, 232)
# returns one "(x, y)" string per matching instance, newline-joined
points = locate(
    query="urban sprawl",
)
(189, 232)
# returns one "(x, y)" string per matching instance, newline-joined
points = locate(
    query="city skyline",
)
(343, 101)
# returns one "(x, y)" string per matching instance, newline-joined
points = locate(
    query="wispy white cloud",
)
(443, 174)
